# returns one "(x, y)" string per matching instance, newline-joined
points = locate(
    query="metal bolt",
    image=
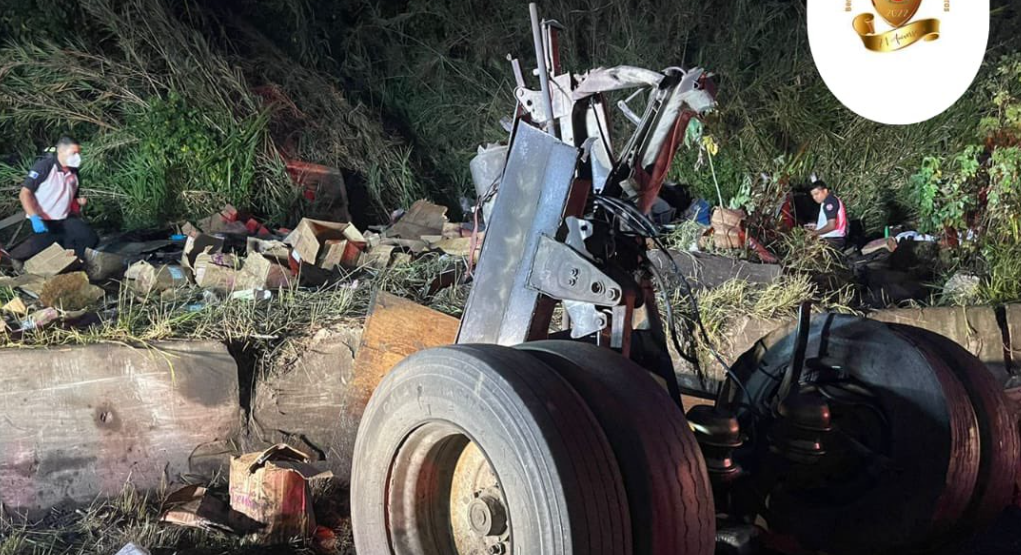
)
(572, 282)
(497, 549)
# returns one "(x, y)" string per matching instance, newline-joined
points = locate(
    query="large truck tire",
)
(1000, 444)
(668, 490)
(903, 424)
(482, 448)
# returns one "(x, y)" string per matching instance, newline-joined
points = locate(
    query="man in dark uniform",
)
(49, 196)
(832, 224)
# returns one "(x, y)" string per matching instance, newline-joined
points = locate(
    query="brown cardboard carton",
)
(202, 243)
(278, 251)
(261, 272)
(147, 278)
(424, 218)
(194, 507)
(271, 488)
(217, 272)
(52, 261)
(310, 237)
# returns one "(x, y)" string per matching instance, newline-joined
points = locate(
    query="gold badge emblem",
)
(898, 14)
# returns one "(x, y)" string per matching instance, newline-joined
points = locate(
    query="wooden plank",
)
(12, 220)
(705, 270)
(81, 422)
(396, 328)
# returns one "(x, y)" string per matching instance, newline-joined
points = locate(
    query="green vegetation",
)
(973, 195)
(171, 128)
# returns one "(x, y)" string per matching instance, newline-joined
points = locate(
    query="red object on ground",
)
(308, 176)
(229, 213)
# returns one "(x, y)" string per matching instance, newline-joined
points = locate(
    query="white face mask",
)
(74, 161)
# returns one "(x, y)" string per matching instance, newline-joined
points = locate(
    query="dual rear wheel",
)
(566, 448)
(552, 448)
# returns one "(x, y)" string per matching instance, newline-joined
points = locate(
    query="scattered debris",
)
(103, 266)
(40, 319)
(132, 549)
(271, 488)
(962, 288)
(195, 507)
(70, 292)
(147, 278)
(52, 261)
(424, 218)
(15, 306)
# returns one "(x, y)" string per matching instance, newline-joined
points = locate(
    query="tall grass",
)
(170, 127)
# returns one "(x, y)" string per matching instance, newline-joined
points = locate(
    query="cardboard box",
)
(52, 261)
(260, 272)
(202, 243)
(271, 487)
(217, 272)
(27, 283)
(424, 218)
(194, 507)
(147, 278)
(102, 266)
(310, 237)
(278, 251)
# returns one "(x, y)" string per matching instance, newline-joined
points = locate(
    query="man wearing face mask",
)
(49, 196)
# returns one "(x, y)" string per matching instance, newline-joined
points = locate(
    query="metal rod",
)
(792, 379)
(540, 59)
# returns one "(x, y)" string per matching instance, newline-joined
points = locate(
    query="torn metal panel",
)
(616, 79)
(687, 94)
(533, 193)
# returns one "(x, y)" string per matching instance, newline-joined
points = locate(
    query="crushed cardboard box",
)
(31, 285)
(51, 261)
(195, 507)
(15, 306)
(271, 487)
(197, 245)
(310, 238)
(379, 257)
(262, 272)
(424, 218)
(103, 266)
(277, 250)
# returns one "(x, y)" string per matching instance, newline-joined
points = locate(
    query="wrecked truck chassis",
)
(509, 442)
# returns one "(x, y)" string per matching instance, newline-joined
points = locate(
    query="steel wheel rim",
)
(443, 496)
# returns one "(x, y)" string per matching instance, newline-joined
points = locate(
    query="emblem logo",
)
(897, 13)
(898, 61)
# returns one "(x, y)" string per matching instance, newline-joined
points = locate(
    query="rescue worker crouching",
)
(49, 196)
(832, 225)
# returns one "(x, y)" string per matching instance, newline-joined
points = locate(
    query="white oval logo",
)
(898, 61)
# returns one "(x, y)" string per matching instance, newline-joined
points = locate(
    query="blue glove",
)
(38, 225)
